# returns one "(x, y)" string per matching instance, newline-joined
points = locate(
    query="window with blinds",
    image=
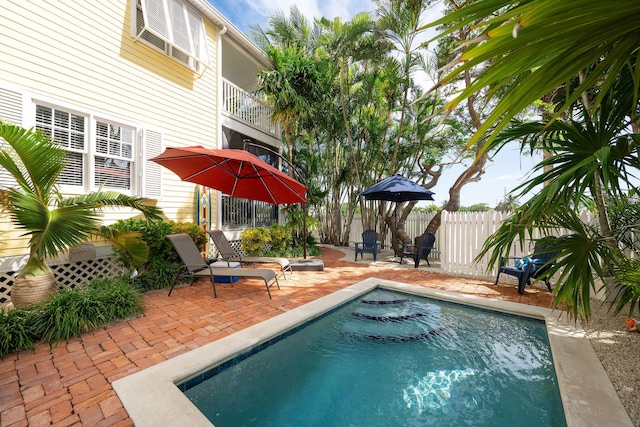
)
(173, 28)
(114, 154)
(100, 152)
(109, 149)
(68, 130)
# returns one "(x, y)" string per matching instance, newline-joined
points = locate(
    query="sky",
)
(504, 173)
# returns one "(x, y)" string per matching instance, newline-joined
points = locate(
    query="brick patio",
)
(70, 384)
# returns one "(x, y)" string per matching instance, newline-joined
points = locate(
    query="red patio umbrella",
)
(237, 173)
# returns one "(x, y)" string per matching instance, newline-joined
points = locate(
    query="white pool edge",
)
(151, 397)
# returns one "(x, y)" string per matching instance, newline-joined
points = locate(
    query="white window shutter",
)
(155, 17)
(152, 172)
(198, 36)
(11, 112)
(179, 29)
(11, 106)
(175, 28)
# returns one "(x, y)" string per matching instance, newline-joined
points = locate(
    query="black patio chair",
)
(420, 250)
(533, 267)
(369, 244)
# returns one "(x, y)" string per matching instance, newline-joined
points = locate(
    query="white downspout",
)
(219, 117)
(219, 84)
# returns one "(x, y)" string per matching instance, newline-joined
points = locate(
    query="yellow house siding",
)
(81, 53)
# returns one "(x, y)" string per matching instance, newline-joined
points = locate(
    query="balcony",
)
(248, 108)
(243, 213)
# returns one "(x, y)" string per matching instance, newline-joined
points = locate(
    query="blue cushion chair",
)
(369, 244)
(527, 268)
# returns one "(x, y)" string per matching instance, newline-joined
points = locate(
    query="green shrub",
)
(158, 274)
(199, 236)
(16, 331)
(71, 312)
(254, 240)
(153, 234)
(280, 237)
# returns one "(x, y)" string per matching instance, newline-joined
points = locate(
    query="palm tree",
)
(508, 204)
(292, 87)
(52, 222)
(400, 20)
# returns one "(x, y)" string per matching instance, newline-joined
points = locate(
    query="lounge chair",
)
(420, 250)
(228, 254)
(369, 244)
(195, 266)
(527, 268)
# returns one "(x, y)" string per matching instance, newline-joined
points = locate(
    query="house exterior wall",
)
(81, 55)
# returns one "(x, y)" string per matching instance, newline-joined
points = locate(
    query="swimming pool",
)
(152, 398)
(391, 359)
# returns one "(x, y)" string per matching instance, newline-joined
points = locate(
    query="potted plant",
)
(53, 223)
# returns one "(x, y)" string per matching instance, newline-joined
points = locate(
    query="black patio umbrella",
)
(397, 189)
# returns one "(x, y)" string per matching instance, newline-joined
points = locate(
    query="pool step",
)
(392, 319)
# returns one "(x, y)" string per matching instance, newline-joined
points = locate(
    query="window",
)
(68, 130)
(104, 157)
(114, 155)
(100, 152)
(173, 28)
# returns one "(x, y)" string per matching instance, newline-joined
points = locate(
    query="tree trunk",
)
(472, 174)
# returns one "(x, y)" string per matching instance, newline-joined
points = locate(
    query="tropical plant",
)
(158, 273)
(537, 46)
(291, 86)
(593, 157)
(280, 237)
(153, 234)
(566, 53)
(508, 204)
(16, 331)
(70, 312)
(52, 222)
(254, 240)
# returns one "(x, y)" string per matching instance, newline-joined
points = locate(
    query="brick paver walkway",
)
(70, 384)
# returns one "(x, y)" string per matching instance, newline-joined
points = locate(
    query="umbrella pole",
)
(305, 207)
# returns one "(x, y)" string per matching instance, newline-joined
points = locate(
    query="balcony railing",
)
(248, 108)
(243, 213)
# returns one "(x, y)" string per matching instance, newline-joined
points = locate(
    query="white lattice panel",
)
(235, 244)
(69, 275)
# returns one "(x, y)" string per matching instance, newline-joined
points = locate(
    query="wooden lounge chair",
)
(227, 253)
(525, 269)
(369, 244)
(196, 266)
(420, 250)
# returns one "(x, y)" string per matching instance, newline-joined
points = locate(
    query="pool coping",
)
(152, 398)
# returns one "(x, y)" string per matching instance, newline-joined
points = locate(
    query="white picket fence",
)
(460, 238)
(462, 235)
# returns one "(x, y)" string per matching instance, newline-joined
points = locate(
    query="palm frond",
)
(540, 45)
(32, 159)
(128, 243)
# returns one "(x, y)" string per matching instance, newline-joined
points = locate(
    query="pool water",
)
(389, 359)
